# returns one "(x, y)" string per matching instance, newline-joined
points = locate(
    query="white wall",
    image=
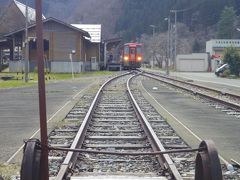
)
(57, 66)
(65, 67)
(196, 62)
(16, 66)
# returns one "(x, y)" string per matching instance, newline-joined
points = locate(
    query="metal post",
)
(105, 55)
(41, 89)
(70, 57)
(175, 45)
(168, 46)
(1, 60)
(99, 55)
(153, 26)
(26, 43)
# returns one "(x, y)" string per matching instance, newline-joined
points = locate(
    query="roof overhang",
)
(47, 20)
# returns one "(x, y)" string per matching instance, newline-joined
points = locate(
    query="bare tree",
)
(155, 48)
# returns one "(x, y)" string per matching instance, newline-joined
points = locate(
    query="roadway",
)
(19, 114)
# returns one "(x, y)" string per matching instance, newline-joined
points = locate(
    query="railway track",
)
(116, 125)
(120, 135)
(185, 162)
(225, 101)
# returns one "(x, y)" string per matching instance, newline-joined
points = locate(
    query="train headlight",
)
(126, 58)
(139, 58)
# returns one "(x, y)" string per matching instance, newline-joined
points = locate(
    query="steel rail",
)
(196, 85)
(71, 157)
(164, 160)
(233, 106)
(126, 153)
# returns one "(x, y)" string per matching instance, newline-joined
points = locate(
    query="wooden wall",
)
(62, 40)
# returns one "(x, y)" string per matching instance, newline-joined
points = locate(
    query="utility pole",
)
(175, 46)
(42, 92)
(153, 26)
(175, 37)
(26, 43)
(175, 31)
(168, 45)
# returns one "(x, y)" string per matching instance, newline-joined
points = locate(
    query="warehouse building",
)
(60, 41)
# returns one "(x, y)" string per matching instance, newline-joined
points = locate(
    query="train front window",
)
(132, 51)
(139, 50)
(126, 50)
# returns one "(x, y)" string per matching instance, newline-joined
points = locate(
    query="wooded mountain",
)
(138, 15)
(131, 18)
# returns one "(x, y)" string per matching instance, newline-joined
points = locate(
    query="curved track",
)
(120, 135)
(116, 138)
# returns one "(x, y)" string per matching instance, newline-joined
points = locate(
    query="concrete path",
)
(206, 122)
(19, 114)
(211, 79)
(207, 79)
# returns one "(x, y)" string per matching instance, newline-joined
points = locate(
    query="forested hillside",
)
(131, 18)
(138, 15)
(105, 12)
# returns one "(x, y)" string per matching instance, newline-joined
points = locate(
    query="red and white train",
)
(132, 55)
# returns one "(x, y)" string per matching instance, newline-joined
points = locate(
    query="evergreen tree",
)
(226, 26)
(232, 58)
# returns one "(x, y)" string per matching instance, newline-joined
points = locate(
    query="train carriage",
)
(132, 55)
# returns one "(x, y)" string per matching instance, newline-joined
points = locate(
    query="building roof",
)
(31, 11)
(93, 29)
(47, 20)
(113, 40)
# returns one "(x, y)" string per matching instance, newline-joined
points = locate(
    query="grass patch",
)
(17, 80)
(82, 74)
(14, 83)
(7, 171)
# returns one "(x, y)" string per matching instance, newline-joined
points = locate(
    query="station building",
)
(215, 48)
(60, 39)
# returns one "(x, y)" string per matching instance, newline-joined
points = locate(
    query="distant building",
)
(196, 62)
(216, 47)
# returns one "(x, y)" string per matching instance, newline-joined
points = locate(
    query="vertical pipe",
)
(41, 89)
(105, 54)
(71, 61)
(26, 43)
(1, 60)
(168, 46)
(175, 45)
(99, 54)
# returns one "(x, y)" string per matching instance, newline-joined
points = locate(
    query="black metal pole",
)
(41, 89)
